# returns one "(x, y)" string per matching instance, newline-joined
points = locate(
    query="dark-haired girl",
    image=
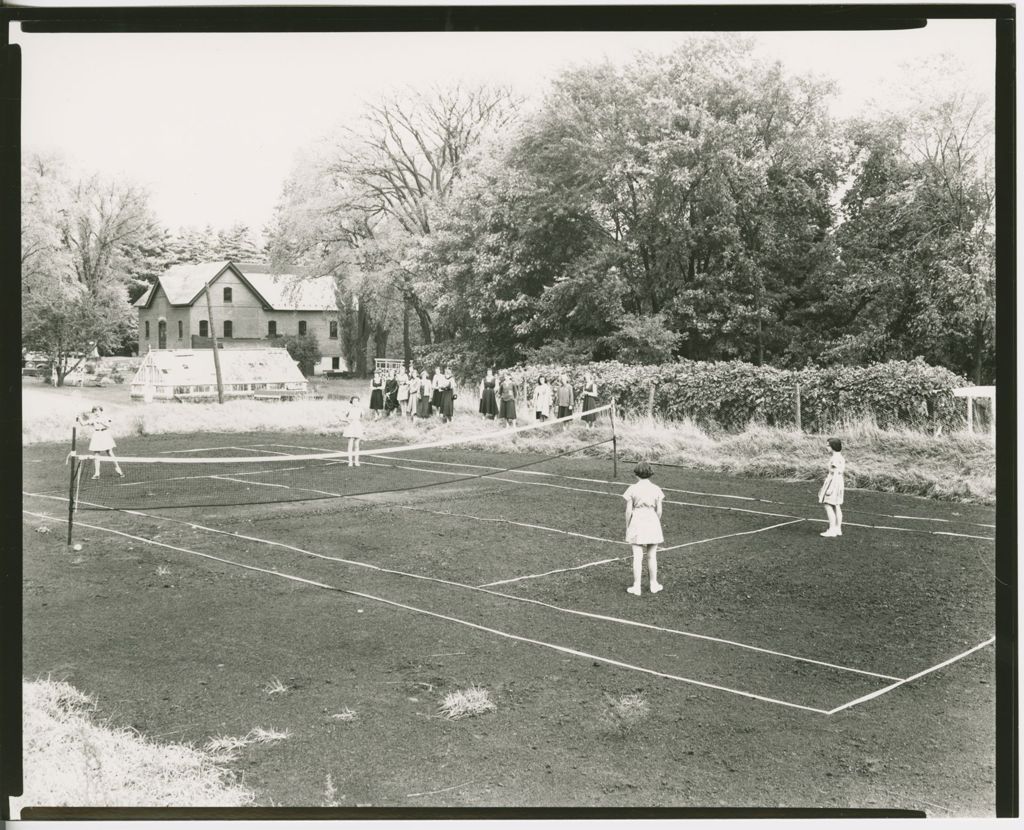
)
(507, 401)
(488, 401)
(423, 398)
(447, 387)
(589, 396)
(391, 392)
(377, 395)
(831, 493)
(643, 525)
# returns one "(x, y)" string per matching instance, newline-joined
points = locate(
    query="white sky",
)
(210, 123)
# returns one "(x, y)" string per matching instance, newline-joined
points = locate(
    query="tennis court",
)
(528, 548)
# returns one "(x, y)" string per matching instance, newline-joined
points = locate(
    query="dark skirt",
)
(447, 403)
(423, 407)
(589, 402)
(507, 410)
(435, 399)
(391, 398)
(564, 411)
(488, 403)
(377, 399)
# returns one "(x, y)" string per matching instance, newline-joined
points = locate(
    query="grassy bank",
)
(954, 467)
(73, 760)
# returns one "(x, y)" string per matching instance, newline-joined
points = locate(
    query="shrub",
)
(304, 349)
(730, 395)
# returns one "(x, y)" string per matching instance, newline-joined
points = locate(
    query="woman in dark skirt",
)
(391, 392)
(376, 395)
(488, 401)
(507, 403)
(447, 387)
(589, 400)
(435, 398)
(423, 399)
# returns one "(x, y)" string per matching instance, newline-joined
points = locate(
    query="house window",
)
(334, 330)
(147, 329)
(227, 294)
(272, 328)
(227, 328)
(302, 327)
(204, 329)
(181, 329)
(335, 363)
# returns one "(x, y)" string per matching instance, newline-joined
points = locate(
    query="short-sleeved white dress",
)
(101, 440)
(354, 428)
(832, 490)
(644, 525)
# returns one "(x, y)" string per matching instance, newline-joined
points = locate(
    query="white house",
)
(251, 309)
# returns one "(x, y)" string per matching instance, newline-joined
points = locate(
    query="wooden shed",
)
(190, 375)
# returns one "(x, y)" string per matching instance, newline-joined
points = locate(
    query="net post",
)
(615, 444)
(75, 464)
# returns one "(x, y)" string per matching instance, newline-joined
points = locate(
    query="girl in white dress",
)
(353, 430)
(101, 441)
(831, 493)
(643, 525)
(403, 392)
(543, 397)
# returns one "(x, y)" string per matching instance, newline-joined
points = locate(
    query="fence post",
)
(650, 401)
(799, 417)
(615, 444)
(970, 415)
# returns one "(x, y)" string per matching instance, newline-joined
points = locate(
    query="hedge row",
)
(733, 394)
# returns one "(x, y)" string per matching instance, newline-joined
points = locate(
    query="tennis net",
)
(265, 476)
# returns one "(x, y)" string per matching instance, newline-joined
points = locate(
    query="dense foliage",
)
(732, 394)
(703, 205)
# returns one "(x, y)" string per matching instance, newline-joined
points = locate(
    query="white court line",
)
(484, 589)
(517, 524)
(615, 483)
(621, 558)
(912, 677)
(731, 535)
(285, 486)
(467, 623)
(253, 448)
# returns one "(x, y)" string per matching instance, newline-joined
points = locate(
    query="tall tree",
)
(83, 238)
(687, 193)
(916, 272)
(374, 187)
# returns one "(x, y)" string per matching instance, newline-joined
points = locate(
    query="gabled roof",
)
(195, 367)
(183, 284)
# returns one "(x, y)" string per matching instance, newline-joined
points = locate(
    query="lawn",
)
(352, 623)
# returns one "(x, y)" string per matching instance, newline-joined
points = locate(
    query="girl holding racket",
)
(643, 525)
(101, 441)
(831, 493)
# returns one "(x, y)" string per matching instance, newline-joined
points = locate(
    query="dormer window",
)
(227, 294)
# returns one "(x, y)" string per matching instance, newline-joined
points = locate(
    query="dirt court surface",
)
(779, 669)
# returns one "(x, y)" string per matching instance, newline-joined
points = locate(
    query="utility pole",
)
(216, 353)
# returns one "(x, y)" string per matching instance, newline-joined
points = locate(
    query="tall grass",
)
(70, 759)
(952, 466)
